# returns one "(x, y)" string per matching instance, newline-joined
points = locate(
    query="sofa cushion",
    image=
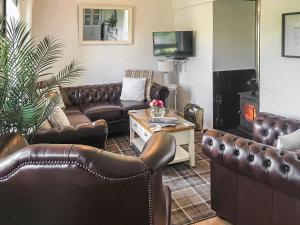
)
(104, 111)
(58, 119)
(46, 125)
(133, 89)
(290, 141)
(132, 105)
(77, 119)
(72, 110)
(148, 74)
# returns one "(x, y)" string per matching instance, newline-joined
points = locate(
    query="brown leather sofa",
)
(103, 102)
(80, 185)
(252, 182)
(82, 131)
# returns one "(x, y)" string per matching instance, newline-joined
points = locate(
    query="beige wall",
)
(280, 77)
(234, 35)
(195, 78)
(104, 64)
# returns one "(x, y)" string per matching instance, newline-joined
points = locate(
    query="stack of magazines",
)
(164, 122)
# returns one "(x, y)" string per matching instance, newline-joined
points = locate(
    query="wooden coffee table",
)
(184, 134)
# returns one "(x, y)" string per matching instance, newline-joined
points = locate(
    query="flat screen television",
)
(176, 44)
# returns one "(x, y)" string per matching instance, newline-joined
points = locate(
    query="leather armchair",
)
(252, 182)
(79, 185)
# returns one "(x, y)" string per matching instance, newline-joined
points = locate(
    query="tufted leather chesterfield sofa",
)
(82, 131)
(252, 182)
(103, 102)
(81, 185)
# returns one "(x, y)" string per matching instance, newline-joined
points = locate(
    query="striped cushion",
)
(142, 74)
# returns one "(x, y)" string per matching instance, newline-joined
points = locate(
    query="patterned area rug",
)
(190, 186)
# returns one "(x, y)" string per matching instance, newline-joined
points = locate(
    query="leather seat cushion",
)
(132, 105)
(72, 110)
(77, 119)
(104, 111)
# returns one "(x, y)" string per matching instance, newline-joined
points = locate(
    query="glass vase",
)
(157, 112)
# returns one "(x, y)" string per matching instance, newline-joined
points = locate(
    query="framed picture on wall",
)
(291, 35)
(105, 24)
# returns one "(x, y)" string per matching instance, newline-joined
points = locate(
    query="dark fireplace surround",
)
(235, 103)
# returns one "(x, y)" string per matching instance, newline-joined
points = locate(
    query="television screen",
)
(174, 44)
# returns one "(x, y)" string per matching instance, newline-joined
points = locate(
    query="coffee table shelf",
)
(181, 154)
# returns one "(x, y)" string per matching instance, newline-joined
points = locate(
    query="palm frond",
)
(24, 104)
(47, 52)
(65, 77)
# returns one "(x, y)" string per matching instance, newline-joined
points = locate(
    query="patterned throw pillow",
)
(142, 74)
(58, 119)
(46, 125)
(55, 92)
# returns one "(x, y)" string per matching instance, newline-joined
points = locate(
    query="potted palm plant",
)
(27, 78)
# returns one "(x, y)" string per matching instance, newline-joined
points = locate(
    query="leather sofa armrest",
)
(159, 92)
(279, 169)
(10, 143)
(268, 127)
(94, 134)
(159, 151)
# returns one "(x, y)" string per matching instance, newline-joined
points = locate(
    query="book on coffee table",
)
(164, 122)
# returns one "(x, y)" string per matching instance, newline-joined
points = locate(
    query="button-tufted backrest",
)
(78, 185)
(93, 93)
(268, 127)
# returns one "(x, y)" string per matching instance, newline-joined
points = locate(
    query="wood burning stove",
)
(227, 85)
(230, 114)
(249, 106)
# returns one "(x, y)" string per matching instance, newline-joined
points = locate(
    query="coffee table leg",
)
(192, 148)
(131, 137)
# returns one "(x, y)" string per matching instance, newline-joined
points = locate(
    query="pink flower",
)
(156, 103)
(161, 103)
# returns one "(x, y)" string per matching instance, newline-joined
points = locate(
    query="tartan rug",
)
(190, 187)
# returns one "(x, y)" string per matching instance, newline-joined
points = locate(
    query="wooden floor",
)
(213, 221)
